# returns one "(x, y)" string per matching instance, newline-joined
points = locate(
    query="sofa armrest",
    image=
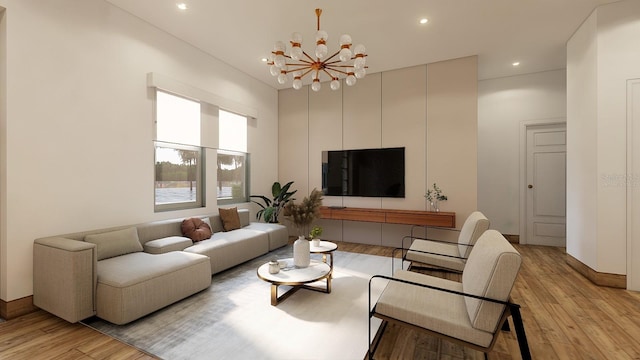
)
(243, 214)
(65, 277)
(167, 244)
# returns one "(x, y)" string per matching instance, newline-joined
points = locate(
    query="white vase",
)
(301, 252)
(316, 242)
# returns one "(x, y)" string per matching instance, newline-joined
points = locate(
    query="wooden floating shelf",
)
(390, 216)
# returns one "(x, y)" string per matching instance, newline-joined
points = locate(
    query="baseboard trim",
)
(514, 239)
(598, 278)
(13, 309)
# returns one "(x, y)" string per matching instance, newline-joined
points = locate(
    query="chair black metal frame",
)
(511, 309)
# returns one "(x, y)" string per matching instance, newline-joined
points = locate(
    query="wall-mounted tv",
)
(363, 172)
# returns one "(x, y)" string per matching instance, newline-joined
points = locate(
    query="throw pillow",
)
(230, 218)
(195, 229)
(115, 243)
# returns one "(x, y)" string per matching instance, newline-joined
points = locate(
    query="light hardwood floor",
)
(565, 317)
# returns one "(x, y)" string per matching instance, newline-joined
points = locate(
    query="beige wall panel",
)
(404, 107)
(392, 235)
(293, 139)
(452, 132)
(325, 133)
(362, 126)
(331, 229)
(362, 232)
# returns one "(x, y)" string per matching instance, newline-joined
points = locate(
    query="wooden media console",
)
(390, 216)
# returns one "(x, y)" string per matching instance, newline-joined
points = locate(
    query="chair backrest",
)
(491, 271)
(475, 225)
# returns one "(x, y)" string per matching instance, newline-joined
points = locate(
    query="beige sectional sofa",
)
(121, 274)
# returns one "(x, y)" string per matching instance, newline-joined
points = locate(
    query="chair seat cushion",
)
(439, 311)
(446, 262)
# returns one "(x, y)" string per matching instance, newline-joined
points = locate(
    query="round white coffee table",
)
(296, 277)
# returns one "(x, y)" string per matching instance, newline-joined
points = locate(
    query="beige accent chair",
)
(470, 312)
(443, 255)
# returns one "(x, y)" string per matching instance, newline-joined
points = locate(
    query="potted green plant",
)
(271, 208)
(434, 196)
(314, 235)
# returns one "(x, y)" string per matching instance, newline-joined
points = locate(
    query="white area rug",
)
(233, 319)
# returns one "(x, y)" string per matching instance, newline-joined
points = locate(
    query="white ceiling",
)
(242, 32)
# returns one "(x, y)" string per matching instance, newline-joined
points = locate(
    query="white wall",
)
(503, 105)
(79, 123)
(582, 138)
(601, 57)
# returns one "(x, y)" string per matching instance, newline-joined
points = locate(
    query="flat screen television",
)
(363, 172)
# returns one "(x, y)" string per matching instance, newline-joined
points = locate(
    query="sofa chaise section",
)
(137, 284)
(107, 274)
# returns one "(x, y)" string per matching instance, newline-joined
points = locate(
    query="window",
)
(178, 157)
(233, 160)
(178, 181)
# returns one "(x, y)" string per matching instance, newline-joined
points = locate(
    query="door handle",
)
(530, 186)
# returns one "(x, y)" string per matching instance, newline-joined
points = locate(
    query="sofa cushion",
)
(115, 243)
(167, 244)
(195, 229)
(134, 285)
(230, 218)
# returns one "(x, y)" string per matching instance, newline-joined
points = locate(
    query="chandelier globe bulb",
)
(297, 84)
(282, 78)
(274, 70)
(351, 79)
(360, 73)
(321, 51)
(280, 61)
(296, 53)
(335, 84)
(315, 86)
(296, 37)
(359, 49)
(345, 54)
(322, 35)
(279, 46)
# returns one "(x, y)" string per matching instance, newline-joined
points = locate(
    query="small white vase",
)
(301, 252)
(316, 242)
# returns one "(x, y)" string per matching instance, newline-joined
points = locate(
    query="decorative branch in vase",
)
(434, 196)
(302, 215)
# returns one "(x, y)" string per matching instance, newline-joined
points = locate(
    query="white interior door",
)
(633, 185)
(546, 163)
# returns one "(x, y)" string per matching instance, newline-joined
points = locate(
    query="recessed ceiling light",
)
(424, 21)
(264, 59)
(182, 6)
(516, 63)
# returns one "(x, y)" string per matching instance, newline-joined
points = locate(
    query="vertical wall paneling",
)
(362, 124)
(452, 133)
(404, 97)
(293, 138)
(325, 133)
(390, 109)
(404, 102)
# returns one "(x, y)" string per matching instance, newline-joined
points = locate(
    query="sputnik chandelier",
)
(343, 63)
